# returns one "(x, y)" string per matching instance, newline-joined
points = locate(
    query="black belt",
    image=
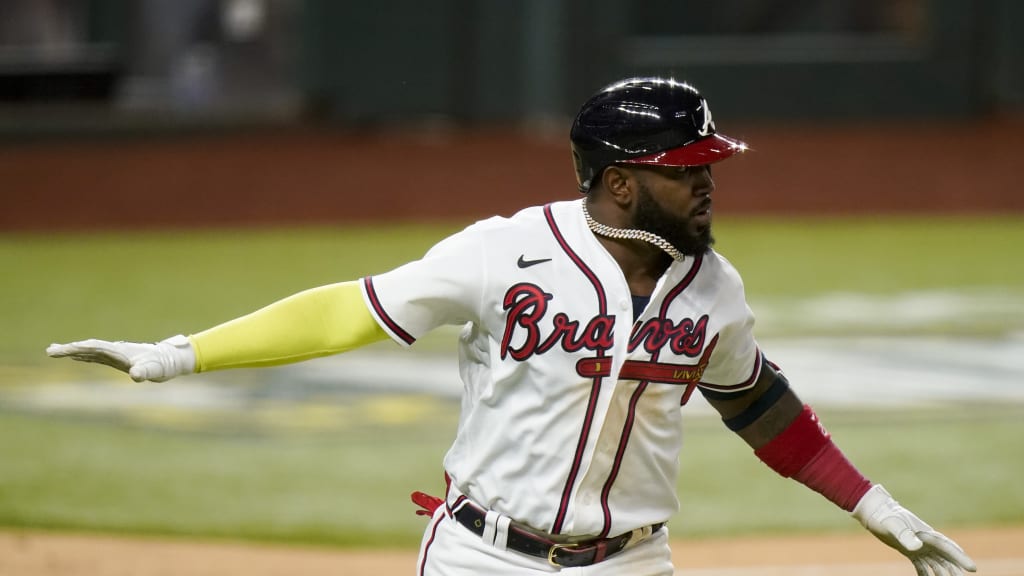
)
(560, 554)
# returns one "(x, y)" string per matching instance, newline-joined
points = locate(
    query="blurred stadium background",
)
(167, 165)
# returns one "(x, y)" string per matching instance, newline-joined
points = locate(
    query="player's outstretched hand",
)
(157, 362)
(931, 552)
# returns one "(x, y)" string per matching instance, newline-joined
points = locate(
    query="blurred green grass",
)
(954, 468)
(69, 472)
(99, 475)
(951, 466)
(881, 255)
(145, 286)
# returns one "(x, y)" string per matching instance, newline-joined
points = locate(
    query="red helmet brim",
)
(709, 150)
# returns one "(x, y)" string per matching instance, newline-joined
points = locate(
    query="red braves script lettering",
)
(685, 338)
(527, 304)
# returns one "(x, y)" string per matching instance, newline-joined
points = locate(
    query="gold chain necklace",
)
(630, 234)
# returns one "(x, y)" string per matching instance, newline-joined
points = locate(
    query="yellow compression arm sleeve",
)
(313, 323)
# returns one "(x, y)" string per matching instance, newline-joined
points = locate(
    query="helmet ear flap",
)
(587, 176)
(584, 172)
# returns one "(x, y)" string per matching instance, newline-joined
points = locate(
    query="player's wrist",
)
(833, 476)
(805, 452)
(873, 500)
(166, 359)
(181, 354)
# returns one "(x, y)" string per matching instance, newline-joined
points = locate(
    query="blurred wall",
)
(145, 113)
(493, 61)
(503, 61)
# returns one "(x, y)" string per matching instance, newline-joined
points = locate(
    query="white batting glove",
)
(157, 362)
(931, 552)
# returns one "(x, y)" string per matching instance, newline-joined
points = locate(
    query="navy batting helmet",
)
(645, 121)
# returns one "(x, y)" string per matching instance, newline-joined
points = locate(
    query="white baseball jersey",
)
(571, 419)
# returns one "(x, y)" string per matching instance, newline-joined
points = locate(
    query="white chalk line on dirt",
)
(856, 372)
(987, 567)
(866, 372)
(56, 554)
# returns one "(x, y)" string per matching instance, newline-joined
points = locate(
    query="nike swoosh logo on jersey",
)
(523, 263)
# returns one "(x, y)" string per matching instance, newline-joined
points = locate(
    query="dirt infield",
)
(308, 176)
(998, 552)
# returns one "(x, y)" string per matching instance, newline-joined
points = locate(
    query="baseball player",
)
(586, 326)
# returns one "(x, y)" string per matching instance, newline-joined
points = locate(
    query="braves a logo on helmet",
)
(709, 125)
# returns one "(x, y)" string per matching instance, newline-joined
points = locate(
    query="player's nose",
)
(704, 185)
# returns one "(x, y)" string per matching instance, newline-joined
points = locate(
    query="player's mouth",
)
(702, 215)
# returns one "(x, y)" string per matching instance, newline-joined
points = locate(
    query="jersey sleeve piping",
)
(750, 381)
(381, 316)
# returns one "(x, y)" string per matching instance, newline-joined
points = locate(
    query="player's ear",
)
(620, 182)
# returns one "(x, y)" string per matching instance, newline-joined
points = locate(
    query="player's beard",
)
(650, 216)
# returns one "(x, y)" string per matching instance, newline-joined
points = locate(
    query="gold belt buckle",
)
(555, 548)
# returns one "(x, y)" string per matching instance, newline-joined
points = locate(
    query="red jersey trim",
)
(627, 427)
(595, 388)
(382, 316)
(745, 384)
